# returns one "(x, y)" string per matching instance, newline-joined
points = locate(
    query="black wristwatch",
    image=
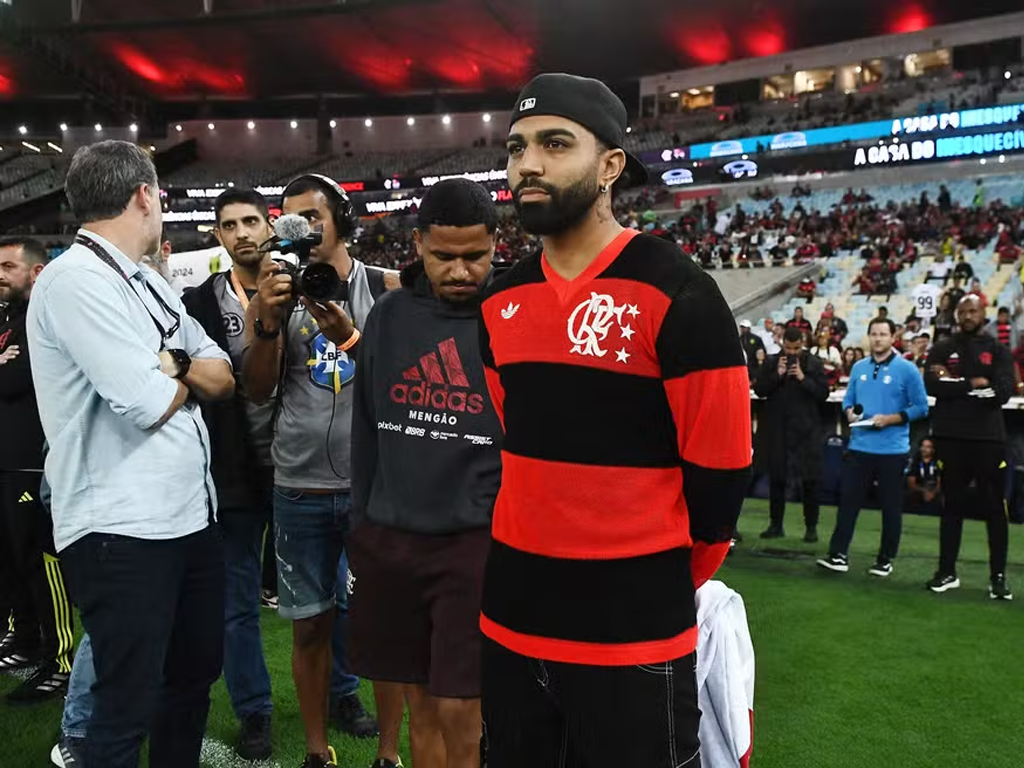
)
(182, 360)
(263, 333)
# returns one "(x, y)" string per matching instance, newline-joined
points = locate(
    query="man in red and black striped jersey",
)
(614, 364)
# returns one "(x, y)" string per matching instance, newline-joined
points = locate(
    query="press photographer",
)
(303, 352)
(793, 383)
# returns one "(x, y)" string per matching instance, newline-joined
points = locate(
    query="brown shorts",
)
(414, 612)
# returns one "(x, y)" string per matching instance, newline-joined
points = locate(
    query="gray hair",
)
(104, 176)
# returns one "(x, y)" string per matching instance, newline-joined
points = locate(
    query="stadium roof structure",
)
(247, 50)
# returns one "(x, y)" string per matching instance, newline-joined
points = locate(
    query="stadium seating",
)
(858, 310)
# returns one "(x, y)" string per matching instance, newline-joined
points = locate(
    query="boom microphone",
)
(292, 227)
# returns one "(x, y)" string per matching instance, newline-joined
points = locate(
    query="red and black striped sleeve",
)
(491, 375)
(706, 381)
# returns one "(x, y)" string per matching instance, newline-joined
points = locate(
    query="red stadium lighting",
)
(911, 19)
(6, 86)
(139, 63)
(766, 41)
(706, 43)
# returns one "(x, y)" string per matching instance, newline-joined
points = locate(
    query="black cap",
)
(586, 101)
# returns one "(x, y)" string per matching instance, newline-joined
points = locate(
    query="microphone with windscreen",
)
(292, 234)
(316, 281)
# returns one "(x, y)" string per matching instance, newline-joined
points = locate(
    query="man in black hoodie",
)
(426, 469)
(240, 437)
(970, 375)
(31, 581)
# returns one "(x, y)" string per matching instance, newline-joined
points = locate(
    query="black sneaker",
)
(835, 562)
(255, 740)
(998, 588)
(46, 683)
(67, 753)
(881, 568)
(773, 532)
(383, 762)
(14, 659)
(811, 537)
(350, 717)
(943, 583)
(315, 761)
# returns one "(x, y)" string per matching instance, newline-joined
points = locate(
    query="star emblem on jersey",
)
(510, 311)
(591, 321)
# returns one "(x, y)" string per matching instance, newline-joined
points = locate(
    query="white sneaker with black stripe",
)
(834, 562)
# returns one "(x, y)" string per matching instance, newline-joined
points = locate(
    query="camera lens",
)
(319, 282)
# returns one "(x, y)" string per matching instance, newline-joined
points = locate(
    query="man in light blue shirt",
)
(885, 394)
(117, 365)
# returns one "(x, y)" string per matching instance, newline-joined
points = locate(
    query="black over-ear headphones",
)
(343, 212)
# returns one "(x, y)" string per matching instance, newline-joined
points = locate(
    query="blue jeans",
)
(245, 671)
(79, 703)
(154, 610)
(310, 532)
(342, 683)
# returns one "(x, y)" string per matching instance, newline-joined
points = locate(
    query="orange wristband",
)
(352, 341)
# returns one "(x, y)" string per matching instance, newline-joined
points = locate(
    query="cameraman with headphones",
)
(304, 354)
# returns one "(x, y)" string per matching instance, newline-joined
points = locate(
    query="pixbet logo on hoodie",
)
(424, 385)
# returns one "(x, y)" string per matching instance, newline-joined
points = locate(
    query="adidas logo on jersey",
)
(425, 386)
(25, 498)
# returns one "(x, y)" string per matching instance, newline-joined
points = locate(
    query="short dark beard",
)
(257, 257)
(16, 297)
(564, 209)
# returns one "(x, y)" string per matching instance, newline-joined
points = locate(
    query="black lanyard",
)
(106, 258)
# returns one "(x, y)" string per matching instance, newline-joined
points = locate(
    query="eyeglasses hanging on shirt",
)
(106, 258)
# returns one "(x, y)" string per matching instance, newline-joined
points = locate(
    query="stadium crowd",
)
(230, 385)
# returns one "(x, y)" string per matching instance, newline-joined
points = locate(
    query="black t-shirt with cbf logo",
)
(426, 441)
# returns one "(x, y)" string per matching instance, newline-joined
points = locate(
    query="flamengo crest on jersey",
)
(591, 321)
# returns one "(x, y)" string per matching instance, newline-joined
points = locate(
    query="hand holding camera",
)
(331, 319)
(275, 294)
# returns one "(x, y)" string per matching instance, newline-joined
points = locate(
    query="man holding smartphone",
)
(793, 383)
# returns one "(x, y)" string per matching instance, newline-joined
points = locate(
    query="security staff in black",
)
(971, 377)
(33, 600)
